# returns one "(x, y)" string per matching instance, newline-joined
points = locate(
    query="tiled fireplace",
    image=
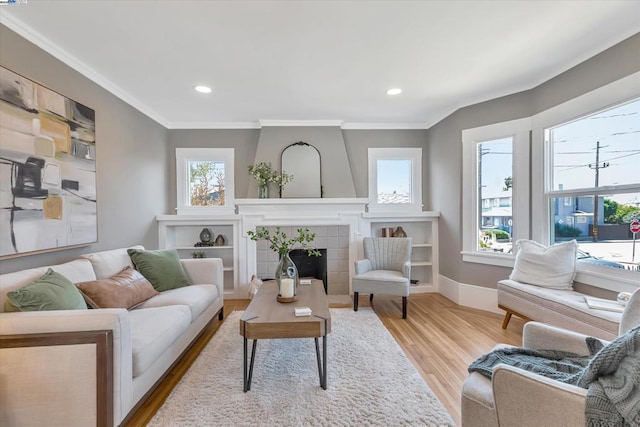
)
(333, 238)
(336, 223)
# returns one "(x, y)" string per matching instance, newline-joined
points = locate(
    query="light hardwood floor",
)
(440, 338)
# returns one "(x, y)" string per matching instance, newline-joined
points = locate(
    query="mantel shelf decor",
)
(286, 273)
(264, 174)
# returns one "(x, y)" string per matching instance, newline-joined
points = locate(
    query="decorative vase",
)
(263, 191)
(206, 235)
(220, 240)
(287, 280)
(399, 232)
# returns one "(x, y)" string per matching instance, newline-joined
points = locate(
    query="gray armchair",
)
(385, 270)
(516, 397)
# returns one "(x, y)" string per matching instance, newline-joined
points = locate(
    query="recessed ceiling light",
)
(203, 89)
(394, 91)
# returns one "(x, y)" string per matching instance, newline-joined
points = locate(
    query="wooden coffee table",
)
(266, 318)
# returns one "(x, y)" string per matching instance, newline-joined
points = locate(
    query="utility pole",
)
(597, 166)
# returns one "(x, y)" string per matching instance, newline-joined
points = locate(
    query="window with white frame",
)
(594, 161)
(204, 180)
(496, 190)
(395, 179)
(565, 145)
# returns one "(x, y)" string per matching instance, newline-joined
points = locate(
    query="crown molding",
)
(289, 123)
(57, 52)
(214, 125)
(381, 126)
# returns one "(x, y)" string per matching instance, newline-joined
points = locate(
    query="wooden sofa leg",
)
(505, 321)
(370, 297)
(355, 301)
(221, 314)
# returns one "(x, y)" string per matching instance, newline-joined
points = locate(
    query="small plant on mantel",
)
(264, 174)
(279, 241)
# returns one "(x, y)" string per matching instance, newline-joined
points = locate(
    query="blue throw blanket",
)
(611, 375)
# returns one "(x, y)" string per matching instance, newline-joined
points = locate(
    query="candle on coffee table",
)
(286, 288)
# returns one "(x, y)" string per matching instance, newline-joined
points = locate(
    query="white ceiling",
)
(317, 60)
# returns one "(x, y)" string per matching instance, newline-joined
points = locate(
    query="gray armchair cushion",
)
(387, 253)
(386, 268)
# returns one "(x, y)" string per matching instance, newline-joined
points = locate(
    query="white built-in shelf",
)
(422, 245)
(227, 269)
(421, 263)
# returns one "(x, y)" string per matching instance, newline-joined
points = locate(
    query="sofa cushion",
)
(52, 291)
(77, 270)
(126, 289)
(550, 267)
(153, 331)
(196, 297)
(565, 309)
(107, 263)
(162, 268)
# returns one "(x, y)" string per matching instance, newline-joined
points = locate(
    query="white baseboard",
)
(469, 295)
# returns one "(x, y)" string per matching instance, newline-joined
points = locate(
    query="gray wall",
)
(131, 156)
(444, 147)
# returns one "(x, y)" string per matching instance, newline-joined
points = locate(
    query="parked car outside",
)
(588, 258)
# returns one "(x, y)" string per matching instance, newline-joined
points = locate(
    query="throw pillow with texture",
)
(52, 291)
(126, 289)
(551, 267)
(162, 268)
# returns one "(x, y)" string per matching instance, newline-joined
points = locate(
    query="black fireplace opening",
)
(309, 265)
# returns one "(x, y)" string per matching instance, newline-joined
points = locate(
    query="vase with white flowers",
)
(264, 174)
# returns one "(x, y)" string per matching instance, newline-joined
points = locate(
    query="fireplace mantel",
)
(313, 207)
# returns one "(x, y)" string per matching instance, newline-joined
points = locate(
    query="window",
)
(496, 191)
(565, 146)
(204, 180)
(395, 179)
(593, 161)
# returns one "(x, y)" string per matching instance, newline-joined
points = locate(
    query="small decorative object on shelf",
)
(206, 235)
(198, 254)
(399, 232)
(264, 175)
(286, 274)
(220, 240)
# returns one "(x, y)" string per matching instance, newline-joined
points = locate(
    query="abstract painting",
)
(47, 169)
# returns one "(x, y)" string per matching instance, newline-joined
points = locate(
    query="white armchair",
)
(515, 397)
(386, 269)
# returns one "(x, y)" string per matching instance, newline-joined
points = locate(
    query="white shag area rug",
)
(370, 381)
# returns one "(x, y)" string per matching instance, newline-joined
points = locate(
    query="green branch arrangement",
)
(280, 243)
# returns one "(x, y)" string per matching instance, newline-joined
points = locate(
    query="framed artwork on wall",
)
(47, 169)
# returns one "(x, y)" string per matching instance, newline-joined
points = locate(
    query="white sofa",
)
(563, 308)
(93, 367)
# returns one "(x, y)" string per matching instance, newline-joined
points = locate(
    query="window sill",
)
(492, 258)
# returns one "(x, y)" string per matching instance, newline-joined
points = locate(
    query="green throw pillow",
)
(52, 291)
(162, 268)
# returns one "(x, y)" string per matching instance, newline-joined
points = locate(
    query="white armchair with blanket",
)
(517, 397)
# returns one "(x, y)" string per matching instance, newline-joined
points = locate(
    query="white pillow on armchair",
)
(551, 267)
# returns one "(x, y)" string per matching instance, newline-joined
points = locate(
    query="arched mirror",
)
(301, 160)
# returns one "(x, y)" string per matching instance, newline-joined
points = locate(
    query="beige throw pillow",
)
(126, 289)
(551, 267)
